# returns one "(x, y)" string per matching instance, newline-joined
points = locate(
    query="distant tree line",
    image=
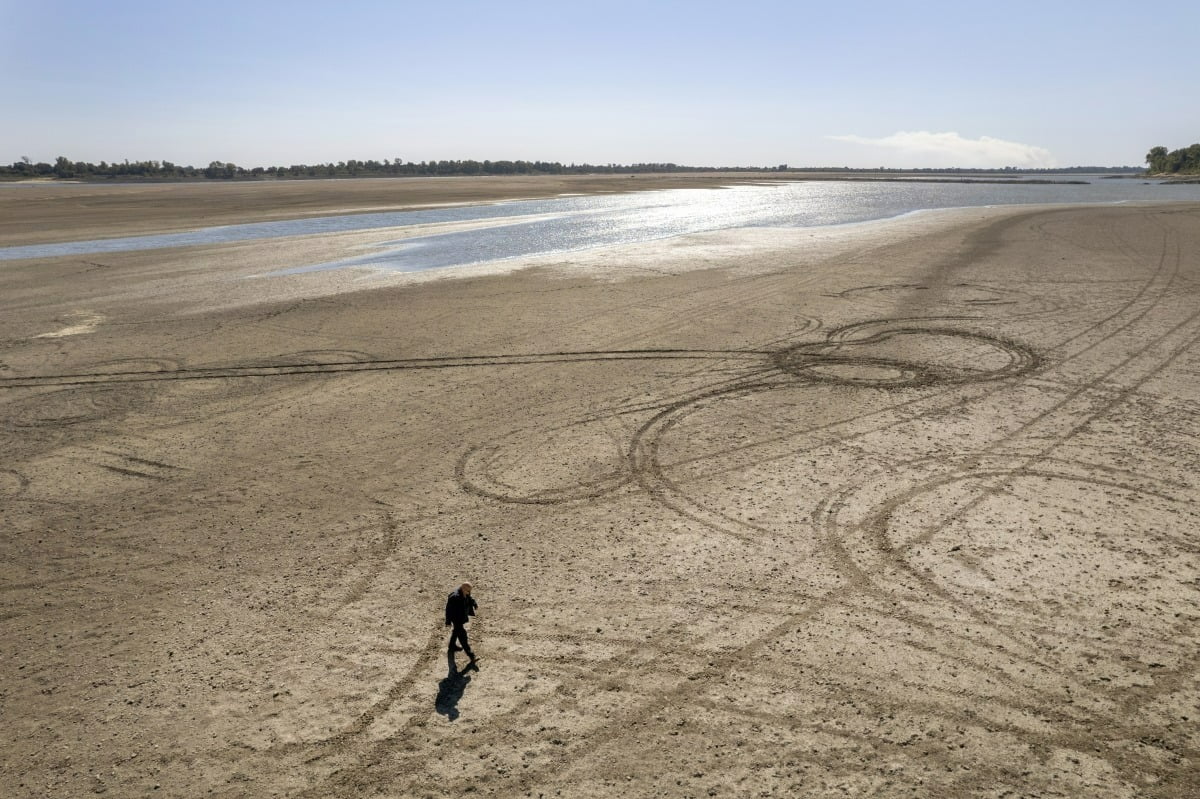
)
(1184, 161)
(960, 170)
(65, 169)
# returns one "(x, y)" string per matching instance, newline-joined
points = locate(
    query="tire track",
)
(343, 367)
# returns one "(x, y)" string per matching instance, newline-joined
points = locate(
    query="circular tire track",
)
(888, 363)
(526, 468)
(68, 407)
(963, 295)
(899, 353)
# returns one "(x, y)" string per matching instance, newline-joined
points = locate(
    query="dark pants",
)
(459, 634)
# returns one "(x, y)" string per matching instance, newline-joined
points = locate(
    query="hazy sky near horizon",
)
(860, 84)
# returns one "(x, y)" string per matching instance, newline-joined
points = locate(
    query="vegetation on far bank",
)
(1184, 161)
(65, 169)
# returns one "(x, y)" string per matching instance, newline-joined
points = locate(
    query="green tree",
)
(1157, 159)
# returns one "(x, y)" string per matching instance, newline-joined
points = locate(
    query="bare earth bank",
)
(749, 514)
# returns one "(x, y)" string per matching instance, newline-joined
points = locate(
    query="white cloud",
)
(926, 149)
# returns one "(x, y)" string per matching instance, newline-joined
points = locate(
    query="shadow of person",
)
(450, 689)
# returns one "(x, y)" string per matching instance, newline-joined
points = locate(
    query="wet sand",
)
(39, 212)
(893, 510)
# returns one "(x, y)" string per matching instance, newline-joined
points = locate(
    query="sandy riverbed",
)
(906, 509)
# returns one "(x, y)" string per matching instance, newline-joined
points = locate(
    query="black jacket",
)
(459, 607)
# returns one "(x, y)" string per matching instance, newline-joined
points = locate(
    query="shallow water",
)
(569, 223)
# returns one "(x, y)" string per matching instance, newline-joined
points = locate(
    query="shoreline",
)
(271, 271)
(35, 214)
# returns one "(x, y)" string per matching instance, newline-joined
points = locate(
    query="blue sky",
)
(756, 83)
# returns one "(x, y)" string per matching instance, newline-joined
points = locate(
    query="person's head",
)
(465, 588)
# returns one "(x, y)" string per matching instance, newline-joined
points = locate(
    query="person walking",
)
(459, 608)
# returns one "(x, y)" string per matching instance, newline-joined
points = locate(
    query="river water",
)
(569, 223)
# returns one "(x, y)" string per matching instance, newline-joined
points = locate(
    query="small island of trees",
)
(1184, 161)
